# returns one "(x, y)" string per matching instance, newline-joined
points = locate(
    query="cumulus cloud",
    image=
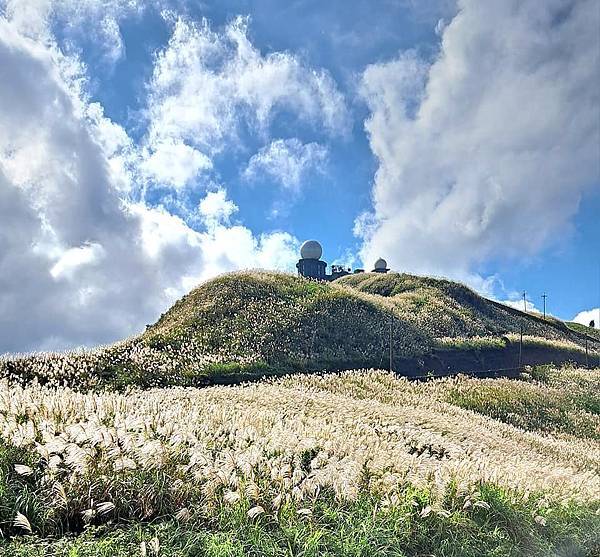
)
(287, 161)
(73, 258)
(207, 86)
(96, 20)
(80, 262)
(216, 209)
(174, 163)
(520, 305)
(586, 316)
(484, 151)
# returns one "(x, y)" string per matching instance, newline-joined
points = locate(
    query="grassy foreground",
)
(361, 463)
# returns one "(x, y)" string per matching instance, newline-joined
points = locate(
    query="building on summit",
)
(311, 266)
(380, 266)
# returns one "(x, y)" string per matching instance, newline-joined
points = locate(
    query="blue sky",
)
(189, 139)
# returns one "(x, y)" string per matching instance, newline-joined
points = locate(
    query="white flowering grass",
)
(283, 455)
(280, 441)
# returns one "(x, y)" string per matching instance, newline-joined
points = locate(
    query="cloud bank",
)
(586, 316)
(485, 151)
(83, 258)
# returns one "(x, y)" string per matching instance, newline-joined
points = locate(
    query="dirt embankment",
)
(491, 362)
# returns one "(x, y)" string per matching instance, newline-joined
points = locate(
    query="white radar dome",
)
(380, 264)
(311, 249)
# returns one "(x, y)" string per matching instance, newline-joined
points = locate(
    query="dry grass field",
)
(358, 463)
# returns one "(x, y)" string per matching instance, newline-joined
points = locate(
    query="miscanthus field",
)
(356, 463)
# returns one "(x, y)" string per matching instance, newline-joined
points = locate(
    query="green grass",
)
(495, 523)
(414, 519)
(449, 309)
(547, 401)
(245, 325)
(592, 333)
(279, 319)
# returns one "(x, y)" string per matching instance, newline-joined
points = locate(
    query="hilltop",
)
(449, 309)
(248, 324)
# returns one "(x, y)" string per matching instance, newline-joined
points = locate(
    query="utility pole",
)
(391, 330)
(544, 296)
(521, 347)
(524, 301)
(587, 358)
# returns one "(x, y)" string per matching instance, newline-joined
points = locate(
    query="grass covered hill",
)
(104, 453)
(283, 320)
(248, 324)
(449, 309)
(584, 330)
(353, 464)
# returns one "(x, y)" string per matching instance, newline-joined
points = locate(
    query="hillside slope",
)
(247, 324)
(584, 330)
(449, 309)
(285, 320)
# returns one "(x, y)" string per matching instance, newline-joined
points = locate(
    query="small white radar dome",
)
(380, 264)
(311, 249)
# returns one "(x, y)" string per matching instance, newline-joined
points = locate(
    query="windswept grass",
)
(449, 309)
(471, 343)
(541, 342)
(360, 463)
(247, 325)
(553, 401)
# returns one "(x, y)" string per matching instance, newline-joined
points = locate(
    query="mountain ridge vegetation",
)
(245, 325)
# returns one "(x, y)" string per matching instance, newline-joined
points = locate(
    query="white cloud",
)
(520, 305)
(485, 151)
(216, 209)
(72, 259)
(174, 163)
(29, 17)
(439, 27)
(288, 161)
(226, 248)
(96, 20)
(80, 263)
(207, 86)
(586, 316)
